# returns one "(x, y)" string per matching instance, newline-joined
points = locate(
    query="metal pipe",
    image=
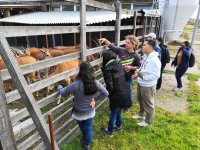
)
(196, 25)
(51, 131)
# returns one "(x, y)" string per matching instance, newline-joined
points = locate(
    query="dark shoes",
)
(118, 128)
(107, 132)
(85, 147)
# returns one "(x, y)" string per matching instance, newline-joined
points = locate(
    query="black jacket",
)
(116, 85)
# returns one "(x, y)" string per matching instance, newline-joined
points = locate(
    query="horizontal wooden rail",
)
(16, 31)
(99, 5)
(19, 115)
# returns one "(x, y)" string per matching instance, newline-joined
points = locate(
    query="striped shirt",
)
(132, 59)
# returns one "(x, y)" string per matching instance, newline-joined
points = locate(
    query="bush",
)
(175, 43)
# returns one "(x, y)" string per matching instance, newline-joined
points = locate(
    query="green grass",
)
(190, 28)
(168, 72)
(186, 36)
(172, 47)
(169, 132)
(193, 77)
(194, 98)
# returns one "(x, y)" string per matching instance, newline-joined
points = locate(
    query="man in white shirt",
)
(147, 76)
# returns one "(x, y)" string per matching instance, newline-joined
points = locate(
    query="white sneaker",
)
(181, 89)
(176, 89)
(143, 124)
(137, 117)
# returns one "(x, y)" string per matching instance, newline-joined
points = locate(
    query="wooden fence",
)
(28, 127)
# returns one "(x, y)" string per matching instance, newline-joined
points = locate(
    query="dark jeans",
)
(158, 86)
(179, 73)
(130, 83)
(115, 119)
(86, 129)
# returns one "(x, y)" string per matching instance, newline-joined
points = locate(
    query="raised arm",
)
(114, 48)
(66, 91)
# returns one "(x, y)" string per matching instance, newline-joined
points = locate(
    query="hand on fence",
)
(59, 87)
(102, 40)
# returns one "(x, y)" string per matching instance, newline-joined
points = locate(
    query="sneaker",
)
(181, 89)
(82, 142)
(176, 89)
(118, 128)
(137, 117)
(143, 124)
(107, 132)
(86, 147)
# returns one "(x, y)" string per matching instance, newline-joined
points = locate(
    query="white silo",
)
(176, 14)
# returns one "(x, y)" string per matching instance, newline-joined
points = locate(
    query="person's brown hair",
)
(134, 40)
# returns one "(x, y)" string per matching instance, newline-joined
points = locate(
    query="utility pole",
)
(196, 26)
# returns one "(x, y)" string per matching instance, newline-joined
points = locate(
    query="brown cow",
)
(54, 52)
(21, 61)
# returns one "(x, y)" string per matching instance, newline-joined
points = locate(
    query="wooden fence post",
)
(145, 25)
(83, 29)
(134, 23)
(24, 90)
(7, 140)
(118, 23)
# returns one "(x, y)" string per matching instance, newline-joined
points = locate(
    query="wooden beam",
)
(83, 28)
(90, 39)
(74, 39)
(99, 28)
(15, 31)
(99, 5)
(134, 23)
(25, 93)
(117, 23)
(7, 140)
(96, 50)
(100, 35)
(145, 26)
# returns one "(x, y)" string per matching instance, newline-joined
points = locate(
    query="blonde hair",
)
(134, 40)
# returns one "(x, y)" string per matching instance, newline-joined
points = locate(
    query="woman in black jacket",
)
(165, 58)
(114, 77)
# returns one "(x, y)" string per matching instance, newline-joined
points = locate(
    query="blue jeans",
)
(179, 73)
(130, 83)
(86, 129)
(115, 119)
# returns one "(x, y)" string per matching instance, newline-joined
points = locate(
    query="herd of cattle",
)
(36, 54)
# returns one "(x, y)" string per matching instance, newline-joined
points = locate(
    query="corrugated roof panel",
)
(63, 17)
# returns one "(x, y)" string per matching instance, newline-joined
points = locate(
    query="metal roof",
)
(63, 17)
(152, 12)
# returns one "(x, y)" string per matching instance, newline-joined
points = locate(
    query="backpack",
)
(165, 57)
(191, 60)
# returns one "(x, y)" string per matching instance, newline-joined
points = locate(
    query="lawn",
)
(169, 132)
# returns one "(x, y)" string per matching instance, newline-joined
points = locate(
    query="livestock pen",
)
(28, 127)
